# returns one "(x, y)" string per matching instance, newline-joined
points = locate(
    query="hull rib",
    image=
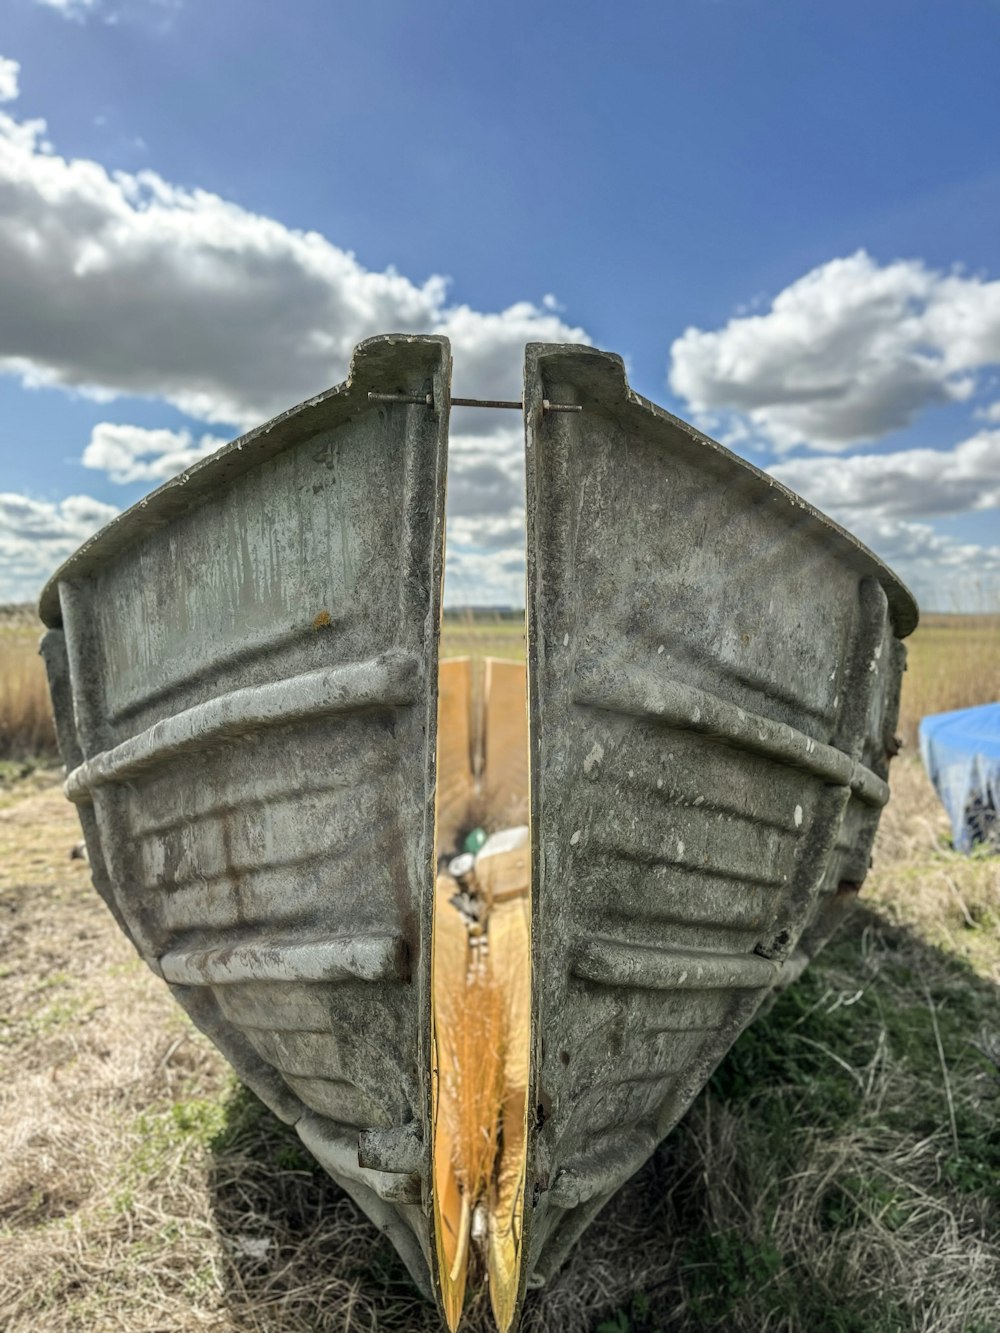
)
(650, 858)
(391, 680)
(646, 967)
(347, 958)
(640, 692)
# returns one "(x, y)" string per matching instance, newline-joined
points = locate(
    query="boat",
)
(244, 672)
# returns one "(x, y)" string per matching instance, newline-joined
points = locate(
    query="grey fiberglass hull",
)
(244, 673)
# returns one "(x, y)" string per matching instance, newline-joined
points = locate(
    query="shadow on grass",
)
(840, 1172)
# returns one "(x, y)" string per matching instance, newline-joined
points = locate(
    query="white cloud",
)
(71, 9)
(132, 453)
(158, 14)
(908, 483)
(878, 497)
(9, 87)
(488, 349)
(848, 353)
(943, 572)
(121, 283)
(475, 578)
(127, 284)
(485, 471)
(485, 539)
(113, 12)
(36, 536)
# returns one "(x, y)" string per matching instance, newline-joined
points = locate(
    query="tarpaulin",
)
(961, 752)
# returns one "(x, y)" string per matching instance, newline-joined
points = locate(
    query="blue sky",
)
(784, 216)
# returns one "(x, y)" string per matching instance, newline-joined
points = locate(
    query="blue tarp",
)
(961, 752)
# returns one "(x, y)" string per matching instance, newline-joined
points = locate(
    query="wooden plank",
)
(505, 743)
(454, 761)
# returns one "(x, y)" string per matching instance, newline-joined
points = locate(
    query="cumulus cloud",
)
(133, 453)
(846, 354)
(878, 497)
(485, 471)
(116, 283)
(36, 536)
(9, 71)
(485, 539)
(908, 483)
(944, 572)
(120, 283)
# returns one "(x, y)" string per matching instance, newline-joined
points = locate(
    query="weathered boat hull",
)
(244, 683)
(244, 674)
(714, 686)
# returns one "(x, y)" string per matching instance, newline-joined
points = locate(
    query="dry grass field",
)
(26, 730)
(954, 662)
(841, 1172)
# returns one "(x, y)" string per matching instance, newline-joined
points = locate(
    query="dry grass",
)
(26, 729)
(841, 1172)
(953, 662)
(950, 900)
(470, 1026)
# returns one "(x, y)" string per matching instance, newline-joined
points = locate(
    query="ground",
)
(841, 1171)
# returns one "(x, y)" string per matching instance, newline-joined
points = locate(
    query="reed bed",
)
(953, 661)
(469, 1031)
(26, 728)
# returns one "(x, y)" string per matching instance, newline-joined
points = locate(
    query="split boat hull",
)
(244, 674)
